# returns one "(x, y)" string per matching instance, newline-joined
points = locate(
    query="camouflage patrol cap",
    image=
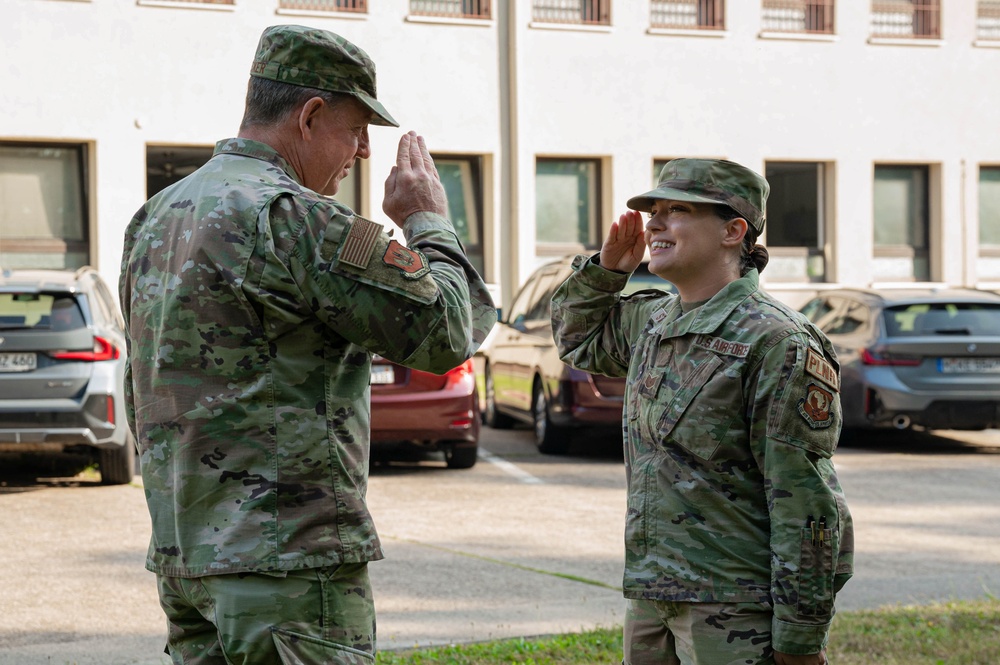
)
(319, 59)
(710, 181)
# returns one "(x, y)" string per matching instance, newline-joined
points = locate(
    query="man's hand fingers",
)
(403, 152)
(416, 160)
(425, 155)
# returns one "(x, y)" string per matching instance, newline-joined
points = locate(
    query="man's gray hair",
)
(268, 102)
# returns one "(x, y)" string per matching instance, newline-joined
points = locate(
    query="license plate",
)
(383, 374)
(18, 362)
(969, 365)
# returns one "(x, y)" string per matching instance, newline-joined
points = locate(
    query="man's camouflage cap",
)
(710, 181)
(319, 59)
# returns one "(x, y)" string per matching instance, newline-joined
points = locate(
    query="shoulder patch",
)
(818, 367)
(723, 346)
(815, 406)
(357, 247)
(410, 262)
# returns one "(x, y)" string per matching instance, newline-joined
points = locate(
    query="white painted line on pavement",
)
(509, 468)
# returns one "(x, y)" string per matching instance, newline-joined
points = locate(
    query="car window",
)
(39, 311)
(541, 307)
(519, 308)
(816, 309)
(642, 279)
(942, 319)
(839, 316)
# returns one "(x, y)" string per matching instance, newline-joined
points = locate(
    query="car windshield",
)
(643, 279)
(24, 311)
(942, 319)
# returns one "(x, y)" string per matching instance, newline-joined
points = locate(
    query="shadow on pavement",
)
(930, 442)
(25, 472)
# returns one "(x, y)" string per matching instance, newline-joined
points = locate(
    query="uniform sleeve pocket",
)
(699, 425)
(816, 573)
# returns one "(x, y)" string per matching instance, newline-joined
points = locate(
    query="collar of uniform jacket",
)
(710, 316)
(257, 150)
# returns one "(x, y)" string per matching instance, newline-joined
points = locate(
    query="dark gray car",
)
(915, 357)
(62, 364)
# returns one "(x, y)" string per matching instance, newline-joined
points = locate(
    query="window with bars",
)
(587, 12)
(906, 19)
(988, 20)
(688, 14)
(810, 16)
(358, 6)
(451, 8)
(44, 221)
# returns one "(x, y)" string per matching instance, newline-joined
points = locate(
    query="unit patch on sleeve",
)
(360, 241)
(817, 366)
(815, 406)
(410, 262)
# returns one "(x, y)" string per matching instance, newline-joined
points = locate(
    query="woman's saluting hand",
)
(626, 243)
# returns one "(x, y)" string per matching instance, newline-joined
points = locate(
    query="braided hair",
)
(752, 255)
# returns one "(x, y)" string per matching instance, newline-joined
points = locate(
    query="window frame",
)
(477, 207)
(988, 20)
(713, 10)
(809, 254)
(320, 6)
(591, 12)
(595, 202)
(818, 16)
(55, 246)
(483, 9)
(908, 251)
(925, 19)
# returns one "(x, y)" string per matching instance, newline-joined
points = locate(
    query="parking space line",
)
(509, 468)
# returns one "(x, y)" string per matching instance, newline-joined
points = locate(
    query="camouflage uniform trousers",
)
(677, 633)
(302, 617)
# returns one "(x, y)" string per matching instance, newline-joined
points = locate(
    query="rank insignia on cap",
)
(412, 263)
(360, 241)
(815, 406)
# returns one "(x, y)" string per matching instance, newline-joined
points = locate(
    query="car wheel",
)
(117, 464)
(491, 416)
(550, 439)
(459, 456)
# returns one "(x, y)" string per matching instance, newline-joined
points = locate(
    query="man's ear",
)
(308, 116)
(734, 231)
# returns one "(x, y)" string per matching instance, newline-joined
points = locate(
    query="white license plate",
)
(383, 374)
(18, 362)
(970, 365)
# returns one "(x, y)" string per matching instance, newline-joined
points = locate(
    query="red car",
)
(426, 412)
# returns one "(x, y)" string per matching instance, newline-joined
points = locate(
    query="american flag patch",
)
(357, 248)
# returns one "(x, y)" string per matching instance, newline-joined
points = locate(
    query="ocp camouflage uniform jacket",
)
(732, 413)
(253, 307)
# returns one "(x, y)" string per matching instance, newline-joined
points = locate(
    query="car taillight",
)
(461, 373)
(103, 350)
(111, 410)
(876, 356)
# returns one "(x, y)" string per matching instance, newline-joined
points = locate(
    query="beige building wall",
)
(120, 75)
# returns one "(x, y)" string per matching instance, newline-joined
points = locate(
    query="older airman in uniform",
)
(253, 305)
(737, 533)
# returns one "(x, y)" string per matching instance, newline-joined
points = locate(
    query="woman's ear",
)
(733, 232)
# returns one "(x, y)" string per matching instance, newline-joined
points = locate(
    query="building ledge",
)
(798, 36)
(448, 20)
(987, 43)
(186, 5)
(905, 41)
(572, 27)
(681, 32)
(350, 16)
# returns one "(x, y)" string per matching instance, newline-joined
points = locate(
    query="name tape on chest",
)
(723, 346)
(817, 366)
(359, 243)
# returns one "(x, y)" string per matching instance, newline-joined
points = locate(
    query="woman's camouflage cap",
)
(710, 181)
(319, 59)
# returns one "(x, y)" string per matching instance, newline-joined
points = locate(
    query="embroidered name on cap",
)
(359, 243)
(817, 366)
(723, 346)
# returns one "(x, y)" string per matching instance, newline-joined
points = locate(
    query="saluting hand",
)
(626, 243)
(413, 184)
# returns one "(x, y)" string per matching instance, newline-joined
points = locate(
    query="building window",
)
(165, 165)
(988, 267)
(44, 221)
(567, 203)
(688, 14)
(988, 20)
(590, 12)
(795, 228)
(462, 177)
(358, 6)
(451, 8)
(920, 19)
(902, 223)
(811, 16)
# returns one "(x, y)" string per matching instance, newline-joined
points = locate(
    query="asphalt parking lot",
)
(522, 544)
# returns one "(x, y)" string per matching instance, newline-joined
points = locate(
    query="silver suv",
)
(62, 369)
